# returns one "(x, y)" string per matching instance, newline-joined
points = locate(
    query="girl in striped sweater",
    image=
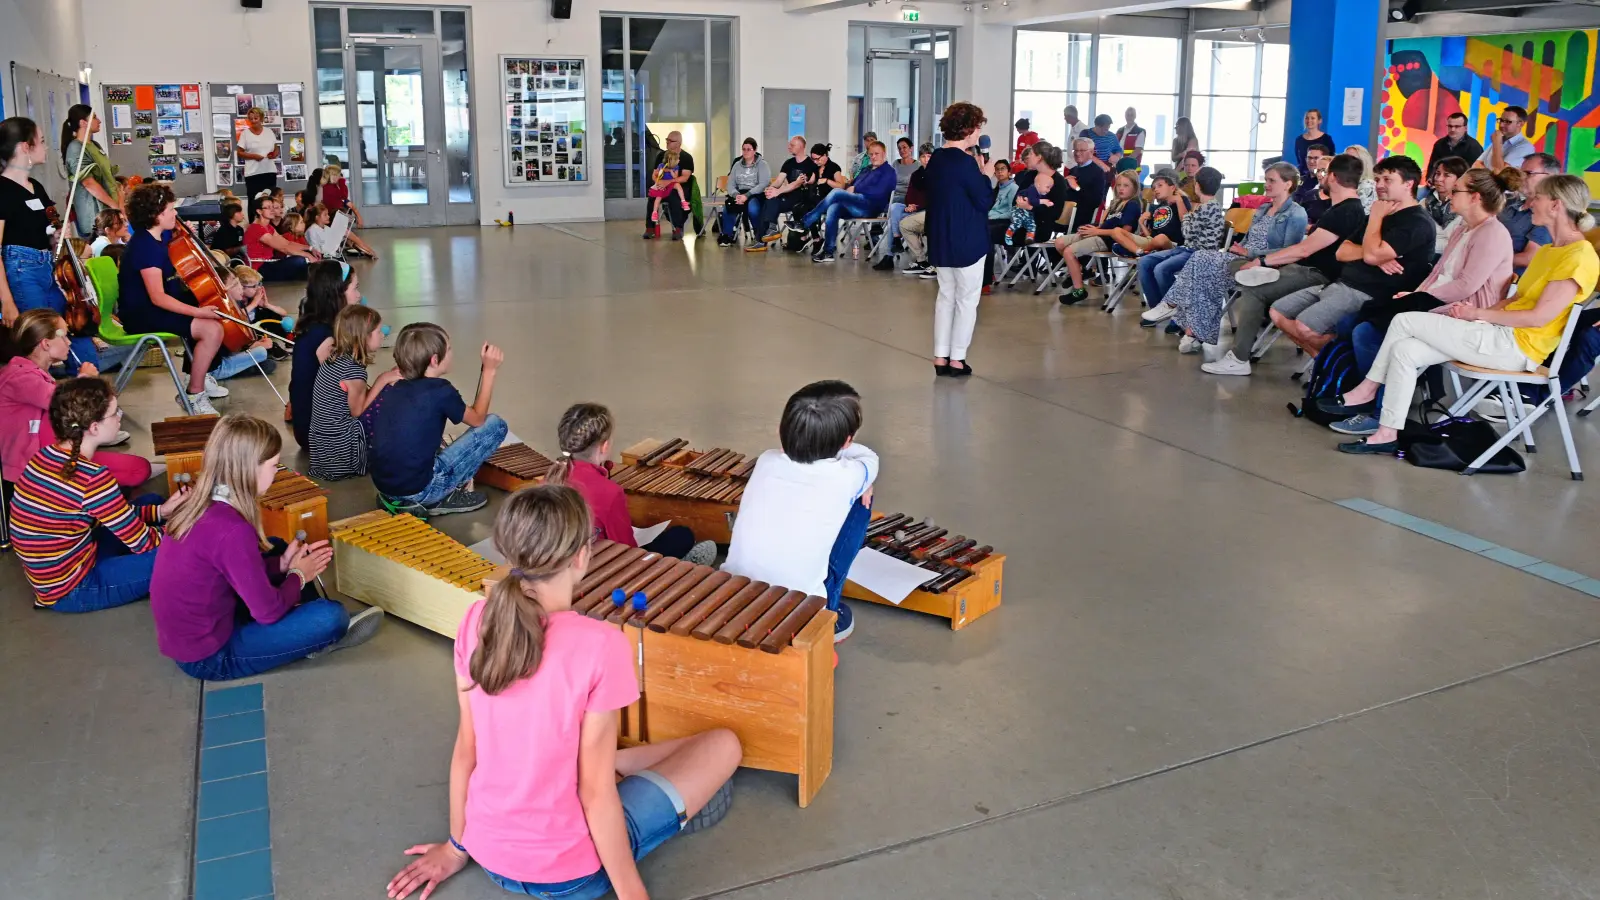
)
(82, 545)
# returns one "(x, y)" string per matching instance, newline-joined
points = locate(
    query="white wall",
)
(221, 42)
(43, 34)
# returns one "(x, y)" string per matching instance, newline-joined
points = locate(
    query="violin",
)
(83, 303)
(198, 271)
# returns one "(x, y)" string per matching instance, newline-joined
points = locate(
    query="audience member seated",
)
(276, 257)
(1204, 228)
(1475, 270)
(1047, 163)
(747, 179)
(1193, 162)
(1517, 334)
(782, 196)
(1005, 192)
(669, 188)
(1022, 226)
(1087, 181)
(335, 195)
(867, 197)
(1441, 186)
(1202, 288)
(1125, 215)
(1395, 253)
(1526, 235)
(863, 160)
(915, 205)
(1160, 226)
(1456, 142)
(228, 239)
(1310, 195)
(1107, 146)
(1369, 189)
(110, 227)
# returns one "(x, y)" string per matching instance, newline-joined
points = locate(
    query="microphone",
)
(984, 143)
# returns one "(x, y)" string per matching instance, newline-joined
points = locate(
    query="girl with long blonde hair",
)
(535, 794)
(216, 557)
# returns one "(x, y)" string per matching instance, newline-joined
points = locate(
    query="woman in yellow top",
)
(1516, 334)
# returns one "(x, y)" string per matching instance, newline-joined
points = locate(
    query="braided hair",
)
(75, 408)
(584, 427)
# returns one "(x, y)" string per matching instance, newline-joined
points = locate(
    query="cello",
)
(198, 271)
(82, 313)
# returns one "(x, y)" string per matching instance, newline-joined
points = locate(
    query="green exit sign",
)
(911, 15)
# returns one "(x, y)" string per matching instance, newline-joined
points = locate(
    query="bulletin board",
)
(156, 131)
(45, 98)
(545, 127)
(284, 106)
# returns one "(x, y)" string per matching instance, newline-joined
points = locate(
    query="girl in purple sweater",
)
(227, 602)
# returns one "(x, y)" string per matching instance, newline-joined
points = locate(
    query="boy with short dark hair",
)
(805, 510)
(409, 470)
(229, 236)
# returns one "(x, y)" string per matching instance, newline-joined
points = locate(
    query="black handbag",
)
(1452, 443)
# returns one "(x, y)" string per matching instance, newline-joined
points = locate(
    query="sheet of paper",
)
(886, 576)
(222, 125)
(1353, 97)
(121, 116)
(485, 548)
(289, 87)
(235, 88)
(222, 105)
(642, 536)
(291, 102)
(193, 121)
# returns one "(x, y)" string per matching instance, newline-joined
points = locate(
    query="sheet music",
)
(889, 578)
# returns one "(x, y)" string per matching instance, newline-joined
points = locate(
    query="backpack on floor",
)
(1333, 373)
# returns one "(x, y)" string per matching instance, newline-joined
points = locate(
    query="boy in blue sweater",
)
(867, 197)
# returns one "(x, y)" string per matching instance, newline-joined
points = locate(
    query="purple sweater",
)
(200, 578)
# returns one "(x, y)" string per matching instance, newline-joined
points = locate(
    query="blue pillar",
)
(1334, 45)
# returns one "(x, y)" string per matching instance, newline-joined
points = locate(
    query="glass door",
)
(898, 94)
(400, 116)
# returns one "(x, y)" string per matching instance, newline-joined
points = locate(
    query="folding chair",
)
(1035, 257)
(1519, 418)
(858, 233)
(1239, 222)
(103, 274)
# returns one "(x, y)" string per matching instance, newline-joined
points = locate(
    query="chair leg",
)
(1511, 399)
(177, 380)
(1592, 404)
(1114, 299)
(1467, 400)
(1566, 429)
(128, 368)
(1264, 342)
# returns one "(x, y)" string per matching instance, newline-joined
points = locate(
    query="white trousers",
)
(955, 313)
(1417, 340)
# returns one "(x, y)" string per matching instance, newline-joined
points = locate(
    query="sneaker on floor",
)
(215, 391)
(1360, 424)
(1189, 344)
(398, 507)
(1227, 365)
(845, 624)
(821, 257)
(1076, 295)
(929, 273)
(121, 438)
(756, 248)
(916, 268)
(771, 236)
(363, 626)
(1490, 409)
(1157, 314)
(459, 501)
(884, 265)
(702, 554)
(199, 405)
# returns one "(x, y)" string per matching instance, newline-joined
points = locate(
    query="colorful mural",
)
(1549, 73)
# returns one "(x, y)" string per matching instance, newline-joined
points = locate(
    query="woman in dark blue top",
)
(330, 286)
(959, 193)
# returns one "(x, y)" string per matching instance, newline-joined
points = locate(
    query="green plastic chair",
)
(1252, 188)
(103, 275)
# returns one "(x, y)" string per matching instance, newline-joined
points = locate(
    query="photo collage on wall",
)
(282, 115)
(157, 131)
(546, 118)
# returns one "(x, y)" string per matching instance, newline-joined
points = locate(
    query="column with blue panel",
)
(1335, 47)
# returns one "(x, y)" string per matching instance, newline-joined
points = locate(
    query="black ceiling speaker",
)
(561, 9)
(250, 4)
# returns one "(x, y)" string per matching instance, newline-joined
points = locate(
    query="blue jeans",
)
(1158, 270)
(238, 363)
(845, 547)
(291, 268)
(897, 211)
(654, 812)
(456, 464)
(33, 286)
(839, 203)
(118, 577)
(731, 210)
(254, 648)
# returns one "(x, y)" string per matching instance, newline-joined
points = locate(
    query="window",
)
(1052, 72)
(1238, 105)
(1140, 73)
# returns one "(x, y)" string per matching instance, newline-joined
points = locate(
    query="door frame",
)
(389, 215)
(922, 66)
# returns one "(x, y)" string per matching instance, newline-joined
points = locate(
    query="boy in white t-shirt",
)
(805, 510)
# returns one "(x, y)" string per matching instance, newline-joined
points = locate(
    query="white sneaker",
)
(1227, 365)
(215, 391)
(1256, 276)
(119, 440)
(1189, 344)
(1491, 409)
(199, 405)
(1159, 313)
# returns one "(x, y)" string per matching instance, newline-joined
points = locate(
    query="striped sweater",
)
(53, 520)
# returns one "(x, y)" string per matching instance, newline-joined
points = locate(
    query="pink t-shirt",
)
(524, 820)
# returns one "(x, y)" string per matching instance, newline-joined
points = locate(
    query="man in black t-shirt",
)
(671, 207)
(797, 172)
(1312, 263)
(1393, 253)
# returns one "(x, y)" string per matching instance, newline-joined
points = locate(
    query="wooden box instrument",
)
(294, 504)
(513, 467)
(667, 480)
(181, 440)
(408, 568)
(970, 579)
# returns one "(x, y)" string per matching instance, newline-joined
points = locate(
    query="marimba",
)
(668, 480)
(970, 576)
(513, 467)
(295, 504)
(410, 569)
(181, 440)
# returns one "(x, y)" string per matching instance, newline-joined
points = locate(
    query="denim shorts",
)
(653, 810)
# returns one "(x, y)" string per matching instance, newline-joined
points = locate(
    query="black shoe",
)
(884, 265)
(650, 234)
(1337, 407)
(942, 370)
(1076, 295)
(964, 372)
(1365, 447)
(1172, 327)
(821, 257)
(459, 501)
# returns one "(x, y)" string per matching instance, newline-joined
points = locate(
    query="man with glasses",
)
(1309, 194)
(1526, 237)
(1456, 142)
(1508, 146)
(672, 168)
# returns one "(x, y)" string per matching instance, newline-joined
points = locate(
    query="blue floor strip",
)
(1503, 555)
(233, 829)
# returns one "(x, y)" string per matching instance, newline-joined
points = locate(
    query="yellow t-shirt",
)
(1576, 261)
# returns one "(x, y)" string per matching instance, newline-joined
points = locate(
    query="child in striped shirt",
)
(341, 402)
(82, 545)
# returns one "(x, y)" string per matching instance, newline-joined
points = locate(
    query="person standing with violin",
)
(145, 303)
(258, 150)
(86, 164)
(27, 217)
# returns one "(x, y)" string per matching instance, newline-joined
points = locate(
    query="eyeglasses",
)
(58, 333)
(117, 415)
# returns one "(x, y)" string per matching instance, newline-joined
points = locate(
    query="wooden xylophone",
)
(513, 467)
(295, 505)
(181, 440)
(410, 569)
(970, 576)
(668, 480)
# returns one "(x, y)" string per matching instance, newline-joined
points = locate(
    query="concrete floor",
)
(1207, 680)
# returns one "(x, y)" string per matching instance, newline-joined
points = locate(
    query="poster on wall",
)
(546, 119)
(228, 108)
(158, 131)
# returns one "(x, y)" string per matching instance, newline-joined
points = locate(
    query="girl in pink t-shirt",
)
(540, 795)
